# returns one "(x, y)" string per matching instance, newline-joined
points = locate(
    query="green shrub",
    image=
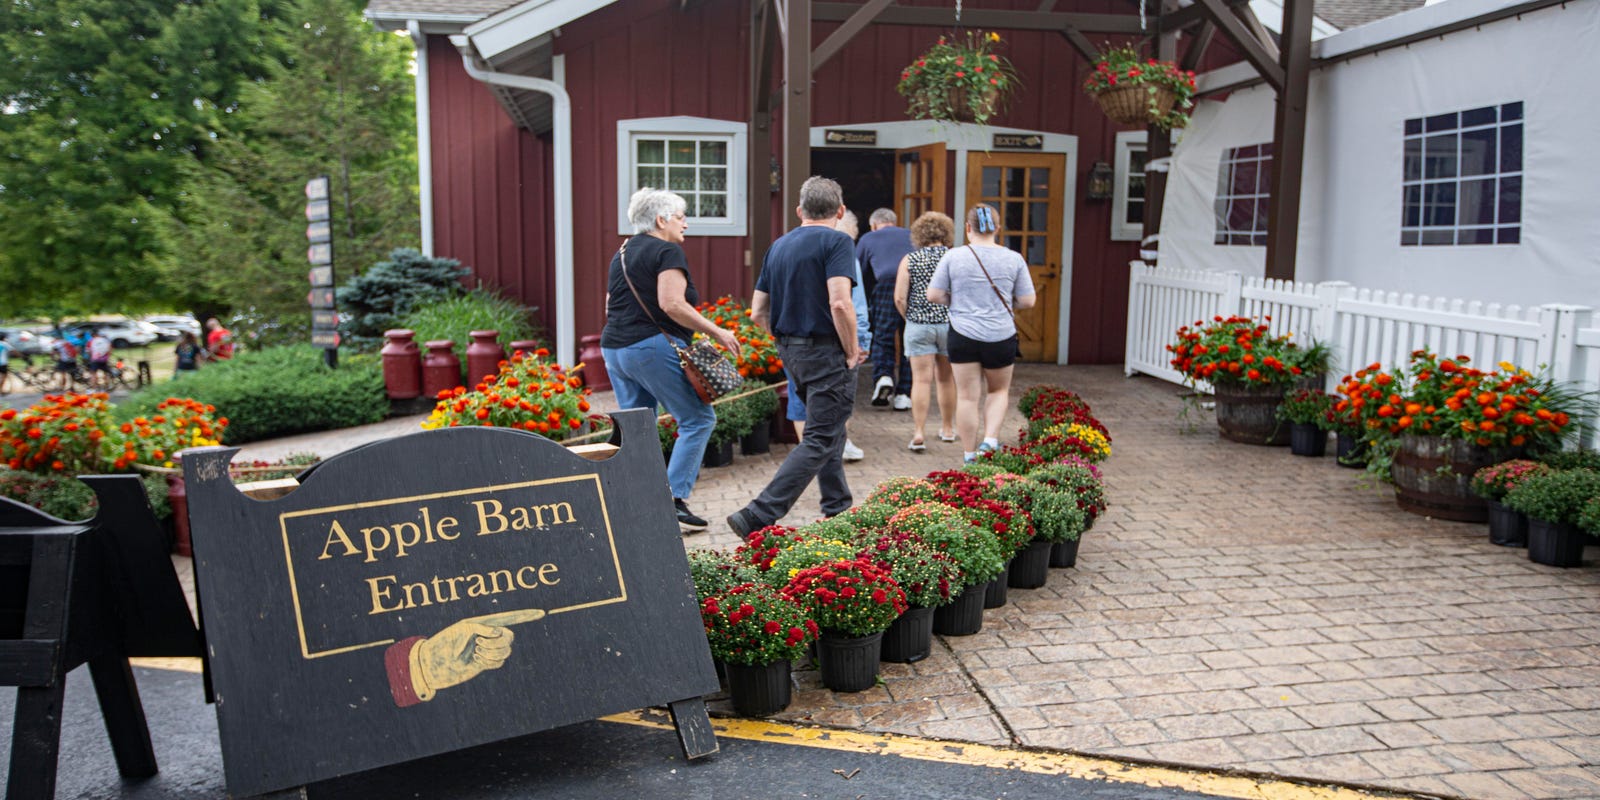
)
(1558, 497)
(280, 391)
(1571, 459)
(378, 298)
(59, 496)
(478, 310)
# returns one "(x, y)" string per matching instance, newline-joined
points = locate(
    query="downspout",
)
(561, 195)
(424, 136)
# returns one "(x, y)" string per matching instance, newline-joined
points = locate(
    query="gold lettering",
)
(494, 581)
(400, 537)
(380, 594)
(519, 522)
(545, 572)
(476, 587)
(484, 516)
(423, 590)
(555, 514)
(453, 594)
(372, 552)
(524, 584)
(336, 531)
(446, 524)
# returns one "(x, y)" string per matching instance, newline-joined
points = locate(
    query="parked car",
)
(28, 342)
(173, 326)
(122, 332)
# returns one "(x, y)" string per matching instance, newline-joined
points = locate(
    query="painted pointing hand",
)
(465, 649)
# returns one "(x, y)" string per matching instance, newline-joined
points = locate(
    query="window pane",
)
(1412, 202)
(1441, 122)
(1510, 235)
(1241, 215)
(1225, 179)
(991, 182)
(1016, 182)
(1409, 237)
(1244, 152)
(1035, 253)
(1135, 215)
(681, 179)
(713, 152)
(680, 152)
(1439, 237)
(1244, 177)
(1479, 116)
(1510, 200)
(1136, 161)
(653, 177)
(1012, 214)
(1476, 236)
(1136, 187)
(1239, 238)
(1261, 215)
(1014, 243)
(1441, 157)
(1413, 126)
(1439, 204)
(1477, 203)
(1259, 240)
(1039, 217)
(1220, 211)
(1478, 152)
(1510, 111)
(1413, 163)
(1264, 176)
(713, 204)
(690, 208)
(652, 151)
(714, 179)
(1511, 148)
(1038, 183)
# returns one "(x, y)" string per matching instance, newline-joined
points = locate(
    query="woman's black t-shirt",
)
(626, 322)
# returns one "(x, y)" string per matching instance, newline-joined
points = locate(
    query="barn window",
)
(1244, 179)
(701, 159)
(1463, 178)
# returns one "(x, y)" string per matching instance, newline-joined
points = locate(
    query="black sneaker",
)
(687, 518)
(737, 522)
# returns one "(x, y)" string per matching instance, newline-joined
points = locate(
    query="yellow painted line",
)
(1035, 761)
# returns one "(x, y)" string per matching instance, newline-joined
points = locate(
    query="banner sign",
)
(438, 591)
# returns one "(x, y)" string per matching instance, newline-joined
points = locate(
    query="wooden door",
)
(919, 182)
(1026, 188)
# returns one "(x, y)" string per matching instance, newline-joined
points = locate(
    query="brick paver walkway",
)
(1239, 608)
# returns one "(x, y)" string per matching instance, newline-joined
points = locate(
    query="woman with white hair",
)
(649, 299)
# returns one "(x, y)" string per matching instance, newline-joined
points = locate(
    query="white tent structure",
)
(1445, 155)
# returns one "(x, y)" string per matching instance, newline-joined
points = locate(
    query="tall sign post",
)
(319, 232)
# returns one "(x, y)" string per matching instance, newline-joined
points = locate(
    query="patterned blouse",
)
(920, 265)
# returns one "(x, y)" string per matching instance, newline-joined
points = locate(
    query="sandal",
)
(917, 445)
(946, 437)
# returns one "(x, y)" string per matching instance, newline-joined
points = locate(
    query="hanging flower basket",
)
(961, 80)
(1135, 91)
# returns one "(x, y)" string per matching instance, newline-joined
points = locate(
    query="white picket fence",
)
(1364, 326)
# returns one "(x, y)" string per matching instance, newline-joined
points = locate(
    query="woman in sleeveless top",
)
(927, 327)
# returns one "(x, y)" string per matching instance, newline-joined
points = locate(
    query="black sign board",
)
(1019, 141)
(438, 591)
(838, 136)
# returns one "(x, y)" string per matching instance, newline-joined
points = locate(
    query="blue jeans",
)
(646, 375)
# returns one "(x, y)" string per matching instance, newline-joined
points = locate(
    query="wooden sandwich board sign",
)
(91, 593)
(438, 591)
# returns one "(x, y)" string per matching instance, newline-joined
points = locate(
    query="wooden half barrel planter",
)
(1248, 414)
(1433, 477)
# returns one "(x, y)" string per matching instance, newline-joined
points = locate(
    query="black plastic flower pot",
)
(1507, 526)
(718, 455)
(1031, 568)
(994, 593)
(849, 663)
(1306, 439)
(910, 638)
(1065, 554)
(757, 441)
(962, 616)
(1556, 545)
(759, 690)
(1350, 451)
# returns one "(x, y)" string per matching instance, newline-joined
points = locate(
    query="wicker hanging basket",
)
(953, 101)
(1130, 105)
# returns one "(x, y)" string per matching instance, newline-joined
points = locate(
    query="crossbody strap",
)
(986, 276)
(622, 258)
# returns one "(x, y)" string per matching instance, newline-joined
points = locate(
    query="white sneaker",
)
(902, 402)
(882, 390)
(851, 452)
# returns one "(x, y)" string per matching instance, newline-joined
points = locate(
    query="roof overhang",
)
(505, 35)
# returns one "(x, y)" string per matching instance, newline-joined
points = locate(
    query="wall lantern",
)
(1101, 181)
(774, 175)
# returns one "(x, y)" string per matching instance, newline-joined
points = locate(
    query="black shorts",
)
(989, 355)
(66, 366)
(100, 366)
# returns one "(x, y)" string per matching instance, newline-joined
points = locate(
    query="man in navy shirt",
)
(803, 298)
(880, 252)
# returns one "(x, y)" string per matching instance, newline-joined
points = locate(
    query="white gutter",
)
(424, 136)
(561, 194)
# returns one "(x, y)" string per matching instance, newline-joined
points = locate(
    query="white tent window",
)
(703, 160)
(1463, 178)
(1244, 181)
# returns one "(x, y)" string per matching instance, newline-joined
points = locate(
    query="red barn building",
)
(661, 94)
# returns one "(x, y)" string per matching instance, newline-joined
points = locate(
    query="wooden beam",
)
(1197, 48)
(844, 33)
(1252, 22)
(1241, 37)
(1188, 16)
(1289, 141)
(796, 105)
(1158, 145)
(1080, 43)
(758, 194)
(985, 18)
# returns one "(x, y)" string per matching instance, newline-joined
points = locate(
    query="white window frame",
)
(733, 133)
(1497, 176)
(1128, 142)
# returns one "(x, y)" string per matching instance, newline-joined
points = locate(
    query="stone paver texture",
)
(1236, 608)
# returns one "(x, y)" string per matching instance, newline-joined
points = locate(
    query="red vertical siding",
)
(648, 58)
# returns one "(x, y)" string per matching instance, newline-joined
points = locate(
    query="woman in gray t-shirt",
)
(984, 285)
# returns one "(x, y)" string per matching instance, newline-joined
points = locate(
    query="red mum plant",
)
(976, 499)
(977, 552)
(853, 597)
(754, 624)
(528, 393)
(1235, 350)
(925, 574)
(1495, 481)
(903, 492)
(763, 545)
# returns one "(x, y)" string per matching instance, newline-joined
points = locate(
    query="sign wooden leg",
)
(36, 741)
(694, 727)
(294, 793)
(124, 715)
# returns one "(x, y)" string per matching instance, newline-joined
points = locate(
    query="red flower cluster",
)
(852, 597)
(1234, 350)
(764, 545)
(973, 497)
(753, 624)
(60, 434)
(1445, 397)
(528, 392)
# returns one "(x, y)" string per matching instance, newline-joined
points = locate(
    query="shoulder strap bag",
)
(709, 371)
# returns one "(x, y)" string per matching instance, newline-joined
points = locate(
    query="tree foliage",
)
(379, 298)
